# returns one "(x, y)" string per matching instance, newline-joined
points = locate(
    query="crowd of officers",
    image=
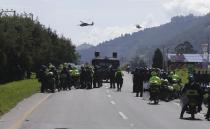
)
(66, 76)
(202, 77)
(145, 75)
(197, 84)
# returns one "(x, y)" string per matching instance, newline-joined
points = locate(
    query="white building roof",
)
(193, 58)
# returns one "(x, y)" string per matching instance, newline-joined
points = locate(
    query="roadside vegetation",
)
(14, 92)
(25, 44)
(183, 73)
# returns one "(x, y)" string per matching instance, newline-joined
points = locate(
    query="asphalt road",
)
(104, 108)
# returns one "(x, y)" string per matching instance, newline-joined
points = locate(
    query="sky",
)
(112, 18)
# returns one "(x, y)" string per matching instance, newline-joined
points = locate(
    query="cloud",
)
(149, 21)
(185, 7)
(100, 34)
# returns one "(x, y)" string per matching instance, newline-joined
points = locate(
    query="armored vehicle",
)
(104, 65)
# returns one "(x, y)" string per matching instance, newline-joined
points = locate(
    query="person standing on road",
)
(42, 77)
(207, 116)
(139, 83)
(112, 78)
(82, 77)
(119, 79)
(206, 79)
(135, 79)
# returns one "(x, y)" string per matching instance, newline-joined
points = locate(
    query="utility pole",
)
(163, 57)
(167, 51)
(208, 53)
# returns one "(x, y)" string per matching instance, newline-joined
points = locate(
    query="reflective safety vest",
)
(175, 78)
(192, 92)
(118, 74)
(155, 80)
(74, 73)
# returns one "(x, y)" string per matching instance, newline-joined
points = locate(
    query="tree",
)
(158, 59)
(185, 48)
(137, 62)
(26, 45)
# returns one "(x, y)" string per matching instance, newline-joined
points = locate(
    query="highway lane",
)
(105, 108)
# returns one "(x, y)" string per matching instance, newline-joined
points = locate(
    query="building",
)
(188, 60)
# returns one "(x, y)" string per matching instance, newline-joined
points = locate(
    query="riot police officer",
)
(139, 82)
(207, 116)
(135, 79)
(112, 78)
(191, 85)
(65, 78)
(119, 79)
(82, 77)
(42, 77)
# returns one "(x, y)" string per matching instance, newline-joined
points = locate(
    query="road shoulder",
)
(14, 118)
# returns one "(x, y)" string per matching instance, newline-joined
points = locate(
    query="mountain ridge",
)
(179, 29)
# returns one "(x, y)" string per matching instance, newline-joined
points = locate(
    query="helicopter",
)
(83, 24)
(138, 26)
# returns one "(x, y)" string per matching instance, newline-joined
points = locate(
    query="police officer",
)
(155, 83)
(139, 82)
(119, 79)
(89, 77)
(191, 85)
(65, 78)
(55, 74)
(207, 116)
(42, 77)
(82, 77)
(206, 78)
(112, 78)
(135, 80)
(199, 77)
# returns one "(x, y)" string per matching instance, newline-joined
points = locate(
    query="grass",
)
(14, 92)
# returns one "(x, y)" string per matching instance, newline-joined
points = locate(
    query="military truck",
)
(103, 65)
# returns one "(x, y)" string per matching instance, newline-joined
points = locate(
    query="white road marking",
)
(23, 116)
(107, 91)
(123, 115)
(112, 102)
(109, 96)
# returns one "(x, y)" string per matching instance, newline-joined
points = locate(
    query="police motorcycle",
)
(190, 99)
(154, 88)
(166, 91)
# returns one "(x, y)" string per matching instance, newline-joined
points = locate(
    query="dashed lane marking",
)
(109, 96)
(131, 124)
(123, 115)
(112, 102)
